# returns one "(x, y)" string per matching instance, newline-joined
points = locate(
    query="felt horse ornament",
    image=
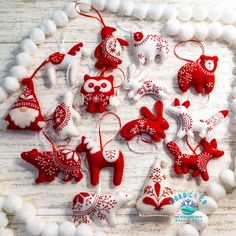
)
(139, 87)
(195, 162)
(190, 124)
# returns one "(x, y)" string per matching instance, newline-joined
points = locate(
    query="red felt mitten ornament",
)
(51, 163)
(109, 51)
(25, 114)
(151, 127)
(184, 163)
(199, 74)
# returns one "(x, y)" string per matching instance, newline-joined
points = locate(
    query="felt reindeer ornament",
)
(102, 157)
(101, 208)
(190, 124)
(199, 74)
(109, 51)
(138, 86)
(157, 197)
(197, 163)
(51, 163)
(151, 127)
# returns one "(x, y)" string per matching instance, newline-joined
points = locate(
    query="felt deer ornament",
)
(190, 124)
(151, 127)
(197, 163)
(109, 51)
(139, 86)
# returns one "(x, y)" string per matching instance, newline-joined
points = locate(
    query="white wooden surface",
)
(54, 201)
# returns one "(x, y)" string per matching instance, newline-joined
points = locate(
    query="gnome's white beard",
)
(23, 119)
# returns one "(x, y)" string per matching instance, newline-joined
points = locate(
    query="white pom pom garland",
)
(84, 230)
(169, 12)
(186, 32)
(49, 27)
(126, 7)
(70, 10)
(233, 105)
(10, 84)
(83, 7)
(23, 59)
(214, 13)
(172, 27)
(215, 30)
(200, 222)
(37, 35)
(99, 4)
(187, 229)
(208, 205)
(200, 31)
(35, 226)
(185, 13)
(67, 228)
(100, 234)
(1, 203)
(140, 10)
(228, 16)
(227, 179)
(60, 18)
(3, 220)
(3, 95)
(12, 204)
(215, 190)
(199, 13)
(113, 5)
(6, 232)
(228, 33)
(18, 72)
(155, 12)
(29, 46)
(26, 212)
(50, 229)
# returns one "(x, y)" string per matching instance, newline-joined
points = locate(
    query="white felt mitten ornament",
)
(66, 228)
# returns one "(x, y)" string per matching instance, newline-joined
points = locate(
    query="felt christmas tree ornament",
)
(109, 51)
(157, 195)
(101, 208)
(51, 163)
(199, 74)
(190, 124)
(139, 87)
(102, 157)
(197, 163)
(150, 127)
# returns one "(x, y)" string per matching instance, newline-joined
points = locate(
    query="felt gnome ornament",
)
(25, 114)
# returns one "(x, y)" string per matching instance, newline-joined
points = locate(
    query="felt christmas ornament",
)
(138, 87)
(51, 163)
(190, 124)
(101, 208)
(102, 157)
(65, 118)
(157, 195)
(151, 127)
(109, 51)
(199, 74)
(195, 162)
(97, 92)
(25, 113)
(149, 46)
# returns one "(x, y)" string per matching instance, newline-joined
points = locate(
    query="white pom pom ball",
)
(35, 226)
(233, 120)
(37, 35)
(185, 13)
(99, 4)
(200, 13)
(48, 26)
(208, 205)
(83, 7)
(187, 230)
(227, 179)
(3, 95)
(140, 10)
(84, 230)
(173, 27)
(1, 202)
(60, 18)
(29, 46)
(228, 33)
(67, 228)
(26, 212)
(10, 84)
(155, 12)
(186, 32)
(12, 204)
(200, 222)
(18, 72)
(215, 30)
(6, 232)
(228, 16)
(200, 32)
(233, 105)
(3, 220)
(215, 190)
(50, 229)
(214, 13)
(170, 12)
(100, 233)
(113, 5)
(70, 10)
(126, 7)
(23, 59)
(233, 93)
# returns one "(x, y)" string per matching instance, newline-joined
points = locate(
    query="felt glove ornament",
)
(101, 208)
(139, 86)
(199, 74)
(109, 51)
(197, 163)
(190, 124)
(25, 113)
(51, 163)
(157, 195)
(151, 127)
(65, 118)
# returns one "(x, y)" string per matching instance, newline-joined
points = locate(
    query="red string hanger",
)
(199, 74)
(109, 51)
